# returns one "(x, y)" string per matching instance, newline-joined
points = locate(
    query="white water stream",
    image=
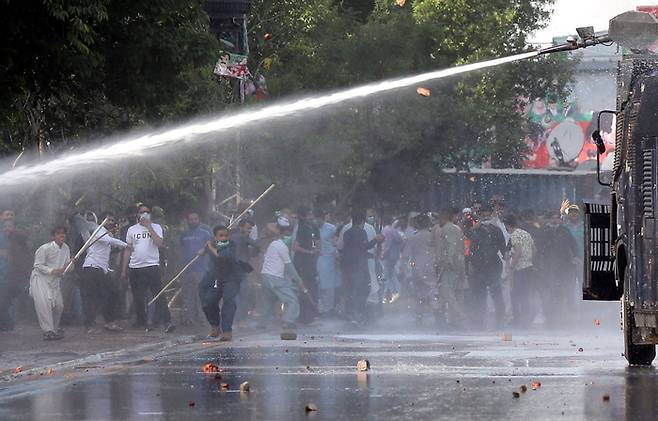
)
(138, 145)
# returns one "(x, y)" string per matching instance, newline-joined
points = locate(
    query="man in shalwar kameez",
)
(452, 272)
(50, 261)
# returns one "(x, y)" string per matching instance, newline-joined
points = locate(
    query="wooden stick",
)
(228, 199)
(86, 245)
(308, 295)
(174, 279)
(178, 291)
(159, 294)
(269, 189)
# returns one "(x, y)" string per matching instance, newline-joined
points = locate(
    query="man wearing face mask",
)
(280, 277)
(141, 264)
(96, 287)
(221, 283)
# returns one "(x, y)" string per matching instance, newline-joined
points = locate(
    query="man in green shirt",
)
(450, 264)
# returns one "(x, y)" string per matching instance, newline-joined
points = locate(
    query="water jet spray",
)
(138, 145)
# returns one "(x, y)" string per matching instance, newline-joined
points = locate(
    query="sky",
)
(570, 14)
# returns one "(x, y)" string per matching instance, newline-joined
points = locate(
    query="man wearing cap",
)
(280, 277)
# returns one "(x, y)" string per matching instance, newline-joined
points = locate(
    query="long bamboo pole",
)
(86, 245)
(178, 275)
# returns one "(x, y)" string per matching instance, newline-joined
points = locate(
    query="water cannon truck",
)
(621, 235)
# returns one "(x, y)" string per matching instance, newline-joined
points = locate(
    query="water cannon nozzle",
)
(587, 38)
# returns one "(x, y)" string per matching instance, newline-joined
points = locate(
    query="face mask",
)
(287, 239)
(371, 220)
(222, 244)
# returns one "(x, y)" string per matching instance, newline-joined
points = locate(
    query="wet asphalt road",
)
(413, 376)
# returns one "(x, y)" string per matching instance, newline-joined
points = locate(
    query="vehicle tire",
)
(640, 355)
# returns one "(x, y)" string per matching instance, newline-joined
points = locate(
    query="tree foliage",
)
(393, 146)
(82, 69)
(75, 70)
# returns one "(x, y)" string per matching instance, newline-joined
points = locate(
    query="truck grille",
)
(647, 183)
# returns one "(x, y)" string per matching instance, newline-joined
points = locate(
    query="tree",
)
(394, 144)
(84, 69)
(109, 66)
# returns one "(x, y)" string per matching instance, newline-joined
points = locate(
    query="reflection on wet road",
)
(412, 377)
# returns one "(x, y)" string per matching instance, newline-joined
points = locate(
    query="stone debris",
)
(516, 395)
(191, 403)
(535, 385)
(423, 91)
(523, 388)
(210, 368)
(311, 407)
(224, 386)
(245, 387)
(363, 365)
(288, 336)
(606, 398)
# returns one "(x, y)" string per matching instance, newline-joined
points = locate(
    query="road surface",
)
(413, 376)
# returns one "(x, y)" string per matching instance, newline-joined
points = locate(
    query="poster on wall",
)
(559, 135)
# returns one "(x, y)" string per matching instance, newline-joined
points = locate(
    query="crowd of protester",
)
(447, 268)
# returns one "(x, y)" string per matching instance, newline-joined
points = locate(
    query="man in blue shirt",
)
(193, 240)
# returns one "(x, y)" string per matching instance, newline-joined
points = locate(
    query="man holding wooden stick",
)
(221, 283)
(142, 267)
(96, 288)
(50, 262)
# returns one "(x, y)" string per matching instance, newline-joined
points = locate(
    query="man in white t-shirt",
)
(97, 288)
(277, 269)
(142, 266)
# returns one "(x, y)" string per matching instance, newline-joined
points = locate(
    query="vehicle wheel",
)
(635, 354)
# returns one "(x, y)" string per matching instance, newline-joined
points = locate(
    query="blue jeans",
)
(227, 291)
(392, 284)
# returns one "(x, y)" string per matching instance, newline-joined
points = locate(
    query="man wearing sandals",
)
(50, 261)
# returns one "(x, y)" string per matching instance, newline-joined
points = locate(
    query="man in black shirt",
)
(487, 245)
(555, 250)
(306, 251)
(356, 277)
(221, 282)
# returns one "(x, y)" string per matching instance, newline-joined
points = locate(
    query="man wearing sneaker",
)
(50, 261)
(142, 267)
(221, 283)
(96, 289)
